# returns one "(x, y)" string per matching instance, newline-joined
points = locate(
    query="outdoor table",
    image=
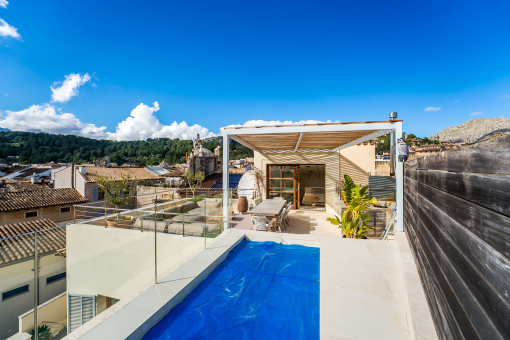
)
(269, 208)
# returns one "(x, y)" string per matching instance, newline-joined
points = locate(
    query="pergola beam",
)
(293, 151)
(298, 141)
(364, 139)
(241, 141)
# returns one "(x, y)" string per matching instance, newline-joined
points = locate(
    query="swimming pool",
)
(263, 290)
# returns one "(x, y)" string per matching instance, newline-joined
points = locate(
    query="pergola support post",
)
(399, 176)
(226, 194)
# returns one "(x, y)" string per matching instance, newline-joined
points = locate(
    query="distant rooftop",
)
(17, 249)
(116, 173)
(10, 201)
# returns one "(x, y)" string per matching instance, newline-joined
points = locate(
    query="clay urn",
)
(242, 205)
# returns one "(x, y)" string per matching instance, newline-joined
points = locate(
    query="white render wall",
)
(114, 262)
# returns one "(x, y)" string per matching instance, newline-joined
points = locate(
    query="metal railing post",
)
(205, 223)
(155, 244)
(36, 288)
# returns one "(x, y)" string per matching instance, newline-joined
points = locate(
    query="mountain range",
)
(474, 130)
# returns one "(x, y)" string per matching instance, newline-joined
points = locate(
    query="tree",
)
(194, 180)
(116, 192)
(409, 138)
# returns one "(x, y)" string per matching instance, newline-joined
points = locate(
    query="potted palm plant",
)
(354, 222)
(117, 193)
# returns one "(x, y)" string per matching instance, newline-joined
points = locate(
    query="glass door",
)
(282, 182)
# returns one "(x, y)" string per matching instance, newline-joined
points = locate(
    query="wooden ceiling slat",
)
(309, 141)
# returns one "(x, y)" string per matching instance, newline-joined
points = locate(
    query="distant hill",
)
(474, 130)
(35, 148)
(2, 129)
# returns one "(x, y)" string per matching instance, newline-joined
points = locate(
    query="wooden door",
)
(282, 182)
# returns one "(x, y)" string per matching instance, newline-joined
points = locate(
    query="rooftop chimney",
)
(393, 115)
(83, 170)
(35, 180)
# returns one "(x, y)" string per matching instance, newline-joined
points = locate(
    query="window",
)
(55, 278)
(100, 194)
(30, 214)
(65, 210)
(14, 292)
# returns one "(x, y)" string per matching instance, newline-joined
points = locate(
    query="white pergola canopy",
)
(320, 137)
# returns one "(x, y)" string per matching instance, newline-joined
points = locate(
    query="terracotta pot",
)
(124, 224)
(242, 205)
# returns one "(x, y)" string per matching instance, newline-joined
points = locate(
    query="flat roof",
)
(312, 124)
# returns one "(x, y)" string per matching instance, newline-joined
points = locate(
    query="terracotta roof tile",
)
(116, 173)
(22, 246)
(39, 198)
(209, 181)
(15, 186)
(174, 172)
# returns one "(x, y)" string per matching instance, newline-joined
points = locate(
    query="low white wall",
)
(114, 262)
(54, 310)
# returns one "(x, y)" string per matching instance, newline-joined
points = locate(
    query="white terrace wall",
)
(357, 161)
(54, 310)
(114, 262)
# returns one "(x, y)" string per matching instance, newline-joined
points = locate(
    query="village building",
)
(12, 185)
(427, 150)
(84, 178)
(17, 265)
(30, 205)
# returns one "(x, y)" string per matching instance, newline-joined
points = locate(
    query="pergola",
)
(320, 137)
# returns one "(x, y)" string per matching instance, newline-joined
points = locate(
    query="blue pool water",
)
(263, 290)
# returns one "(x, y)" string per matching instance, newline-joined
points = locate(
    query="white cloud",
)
(7, 30)
(431, 108)
(456, 101)
(49, 119)
(475, 113)
(7, 94)
(69, 87)
(4, 3)
(143, 124)
(277, 122)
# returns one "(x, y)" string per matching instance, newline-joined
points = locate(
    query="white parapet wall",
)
(114, 262)
(54, 310)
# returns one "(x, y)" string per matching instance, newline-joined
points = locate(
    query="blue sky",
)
(217, 63)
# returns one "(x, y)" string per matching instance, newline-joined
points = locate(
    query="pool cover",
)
(263, 290)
